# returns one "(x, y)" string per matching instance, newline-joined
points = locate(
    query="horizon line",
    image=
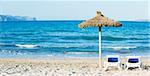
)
(73, 20)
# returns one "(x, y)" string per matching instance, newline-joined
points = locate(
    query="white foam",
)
(121, 47)
(25, 46)
(80, 53)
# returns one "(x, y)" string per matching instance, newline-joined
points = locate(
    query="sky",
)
(76, 10)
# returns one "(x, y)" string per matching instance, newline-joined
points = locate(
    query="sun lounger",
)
(112, 61)
(133, 61)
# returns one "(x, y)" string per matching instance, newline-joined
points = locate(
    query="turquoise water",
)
(65, 39)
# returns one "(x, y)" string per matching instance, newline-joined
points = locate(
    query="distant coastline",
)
(4, 18)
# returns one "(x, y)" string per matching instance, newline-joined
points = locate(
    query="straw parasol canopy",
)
(99, 21)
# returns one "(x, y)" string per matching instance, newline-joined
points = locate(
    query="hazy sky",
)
(74, 10)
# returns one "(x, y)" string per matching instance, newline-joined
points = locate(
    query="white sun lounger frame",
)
(138, 64)
(112, 64)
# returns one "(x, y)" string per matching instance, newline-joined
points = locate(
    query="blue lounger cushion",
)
(133, 60)
(112, 59)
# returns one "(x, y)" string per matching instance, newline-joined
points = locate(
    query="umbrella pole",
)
(100, 49)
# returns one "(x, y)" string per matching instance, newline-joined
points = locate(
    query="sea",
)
(64, 39)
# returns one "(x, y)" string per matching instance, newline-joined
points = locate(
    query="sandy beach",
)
(65, 67)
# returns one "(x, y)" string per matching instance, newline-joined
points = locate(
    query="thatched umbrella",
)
(99, 21)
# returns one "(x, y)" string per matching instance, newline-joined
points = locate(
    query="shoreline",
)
(68, 57)
(49, 59)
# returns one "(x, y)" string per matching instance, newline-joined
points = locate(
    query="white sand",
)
(64, 67)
